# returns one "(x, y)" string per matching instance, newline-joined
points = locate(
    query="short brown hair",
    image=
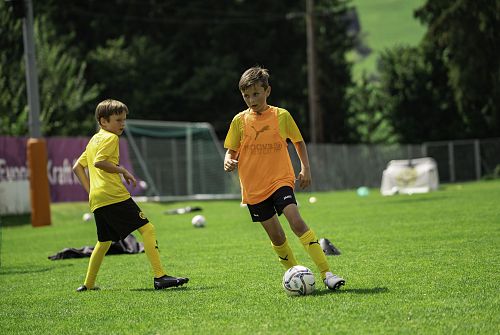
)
(109, 107)
(254, 75)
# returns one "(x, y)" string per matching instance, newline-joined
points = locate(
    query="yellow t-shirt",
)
(105, 188)
(263, 161)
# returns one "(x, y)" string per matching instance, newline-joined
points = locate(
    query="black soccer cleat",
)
(169, 281)
(84, 288)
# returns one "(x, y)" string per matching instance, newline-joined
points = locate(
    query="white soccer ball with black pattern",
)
(198, 221)
(299, 280)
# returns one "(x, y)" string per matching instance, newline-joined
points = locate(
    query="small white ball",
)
(143, 185)
(198, 221)
(312, 200)
(87, 217)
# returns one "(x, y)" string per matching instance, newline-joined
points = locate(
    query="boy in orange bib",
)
(256, 145)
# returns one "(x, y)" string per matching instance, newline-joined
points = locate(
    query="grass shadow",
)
(25, 270)
(184, 288)
(374, 290)
(403, 198)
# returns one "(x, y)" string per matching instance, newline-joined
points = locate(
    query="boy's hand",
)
(304, 178)
(230, 164)
(129, 178)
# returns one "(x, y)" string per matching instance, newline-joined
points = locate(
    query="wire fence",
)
(465, 160)
(333, 166)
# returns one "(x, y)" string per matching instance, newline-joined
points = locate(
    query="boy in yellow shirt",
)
(256, 145)
(116, 214)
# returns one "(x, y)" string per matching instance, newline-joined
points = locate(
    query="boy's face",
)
(116, 123)
(255, 97)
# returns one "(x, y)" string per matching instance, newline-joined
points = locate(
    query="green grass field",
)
(420, 264)
(385, 24)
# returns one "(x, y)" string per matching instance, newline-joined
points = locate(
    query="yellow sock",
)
(100, 250)
(311, 244)
(285, 254)
(148, 233)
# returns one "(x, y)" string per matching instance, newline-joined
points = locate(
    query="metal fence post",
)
(451, 161)
(477, 158)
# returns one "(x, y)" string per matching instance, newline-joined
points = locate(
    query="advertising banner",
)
(62, 154)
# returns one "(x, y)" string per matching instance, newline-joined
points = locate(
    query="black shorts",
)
(275, 204)
(116, 221)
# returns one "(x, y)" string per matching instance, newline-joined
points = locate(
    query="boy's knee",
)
(299, 227)
(105, 244)
(148, 228)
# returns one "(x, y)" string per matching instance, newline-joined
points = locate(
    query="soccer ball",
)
(198, 221)
(87, 217)
(299, 280)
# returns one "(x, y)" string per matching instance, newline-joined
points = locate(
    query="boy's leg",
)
(307, 238)
(100, 250)
(285, 255)
(279, 242)
(311, 244)
(161, 279)
(148, 233)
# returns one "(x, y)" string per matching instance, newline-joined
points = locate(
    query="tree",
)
(368, 114)
(13, 107)
(63, 89)
(465, 35)
(417, 98)
(178, 60)
(64, 93)
(334, 71)
(448, 87)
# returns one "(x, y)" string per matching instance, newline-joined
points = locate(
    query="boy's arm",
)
(112, 168)
(79, 171)
(230, 160)
(305, 170)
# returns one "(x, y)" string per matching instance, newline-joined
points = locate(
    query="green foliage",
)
(493, 175)
(465, 35)
(178, 60)
(417, 96)
(13, 109)
(174, 60)
(386, 24)
(420, 264)
(368, 110)
(63, 90)
(449, 86)
(334, 71)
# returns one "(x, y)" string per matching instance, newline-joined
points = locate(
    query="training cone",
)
(328, 247)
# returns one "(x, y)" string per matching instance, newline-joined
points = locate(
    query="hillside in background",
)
(384, 24)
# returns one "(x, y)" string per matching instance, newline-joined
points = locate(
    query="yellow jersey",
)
(105, 188)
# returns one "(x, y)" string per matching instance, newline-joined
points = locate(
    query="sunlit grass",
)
(420, 264)
(386, 24)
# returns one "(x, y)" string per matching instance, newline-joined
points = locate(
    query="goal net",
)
(179, 161)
